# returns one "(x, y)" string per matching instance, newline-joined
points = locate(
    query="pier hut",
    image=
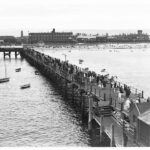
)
(137, 109)
(143, 129)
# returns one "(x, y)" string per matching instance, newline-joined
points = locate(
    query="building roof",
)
(143, 107)
(145, 117)
(6, 37)
(140, 107)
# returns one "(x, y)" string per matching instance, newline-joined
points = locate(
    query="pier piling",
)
(90, 113)
(112, 141)
(101, 128)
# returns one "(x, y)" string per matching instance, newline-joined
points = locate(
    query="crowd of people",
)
(81, 76)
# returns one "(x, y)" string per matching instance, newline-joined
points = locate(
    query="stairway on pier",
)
(103, 111)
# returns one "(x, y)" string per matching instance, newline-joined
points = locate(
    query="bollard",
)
(112, 142)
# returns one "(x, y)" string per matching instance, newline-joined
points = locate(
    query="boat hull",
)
(4, 80)
(25, 86)
(18, 69)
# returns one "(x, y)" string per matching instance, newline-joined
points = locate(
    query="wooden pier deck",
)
(7, 50)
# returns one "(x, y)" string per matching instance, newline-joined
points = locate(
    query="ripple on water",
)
(37, 116)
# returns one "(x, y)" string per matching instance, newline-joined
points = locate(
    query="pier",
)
(7, 50)
(96, 95)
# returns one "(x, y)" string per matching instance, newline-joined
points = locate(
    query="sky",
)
(43, 15)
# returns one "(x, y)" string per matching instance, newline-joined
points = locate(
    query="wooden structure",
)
(94, 100)
(7, 50)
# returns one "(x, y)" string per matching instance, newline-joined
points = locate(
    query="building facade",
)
(143, 129)
(50, 37)
(8, 39)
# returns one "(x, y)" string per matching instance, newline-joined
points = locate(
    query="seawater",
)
(37, 116)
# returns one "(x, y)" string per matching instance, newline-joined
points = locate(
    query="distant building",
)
(139, 32)
(48, 37)
(132, 37)
(1, 41)
(101, 38)
(8, 39)
(86, 38)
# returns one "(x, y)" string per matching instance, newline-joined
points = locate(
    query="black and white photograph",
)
(74, 73)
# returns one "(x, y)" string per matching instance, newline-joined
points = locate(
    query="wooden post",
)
(112, 142)
(9, 54)
(73, 93)
(82, 105)
(90, 113)
(101, 128)
(66, 85)
(104, 97)
(122, 106)
(125, 137)
(16, 54)
(142, 94)
(4, 54)
(135, 135)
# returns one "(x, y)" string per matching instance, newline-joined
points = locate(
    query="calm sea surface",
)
(39, 116)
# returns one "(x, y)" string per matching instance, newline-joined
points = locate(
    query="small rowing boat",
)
(4, 80)
(25, 86)
(36, 72)
(18, 69)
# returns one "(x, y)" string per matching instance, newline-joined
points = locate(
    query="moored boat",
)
(36, 72)
(25, 86)
(4, 80)
(18, 69)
